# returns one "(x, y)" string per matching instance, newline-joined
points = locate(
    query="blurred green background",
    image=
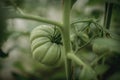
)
(16, 61)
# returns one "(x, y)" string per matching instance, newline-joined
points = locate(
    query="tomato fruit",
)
(46, 45)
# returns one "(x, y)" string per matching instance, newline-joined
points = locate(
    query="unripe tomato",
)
(46, 45)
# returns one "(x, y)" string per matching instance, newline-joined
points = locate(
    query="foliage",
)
(89, 50)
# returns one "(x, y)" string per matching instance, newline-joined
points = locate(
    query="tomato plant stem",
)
(66, 37)
(108, 14)
(76, 59)
(37, 18)
(97, 59)
(81, 21)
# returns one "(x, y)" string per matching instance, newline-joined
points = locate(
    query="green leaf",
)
(87, 73)
(72, 3)
(100, 69)
(102, 45)
(19, 76)
(19, 65)
(59, 76)
(88, 57)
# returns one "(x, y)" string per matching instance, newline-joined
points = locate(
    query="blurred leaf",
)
(102, 45)
(19, 76)
(73, 1)
(115, 76)
(87, 73)
(19, 65)
(100, 69)
(59, 76)
(86, 56)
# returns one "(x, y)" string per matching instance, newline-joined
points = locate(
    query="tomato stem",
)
(66, 37)
(76, 59)
(37, 18)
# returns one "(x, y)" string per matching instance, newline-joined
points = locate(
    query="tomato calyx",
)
(56, 37)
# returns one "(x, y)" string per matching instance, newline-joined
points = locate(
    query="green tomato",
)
(46, 45)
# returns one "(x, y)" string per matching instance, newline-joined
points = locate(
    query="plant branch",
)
(81, 21)
(79, 62)
(32, 17)
(97, 59)
(76, 59)
(66, 37)
(84, 45)
(37, 18)
(108, 14)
